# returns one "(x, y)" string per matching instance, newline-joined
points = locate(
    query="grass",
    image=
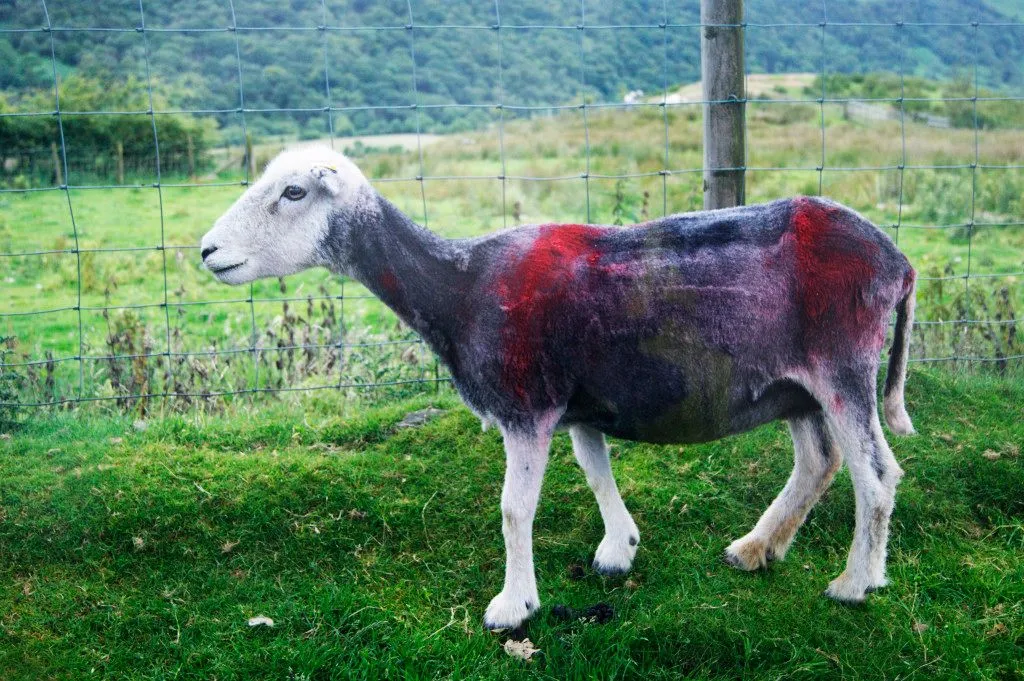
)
(140, 554)
(931, 205)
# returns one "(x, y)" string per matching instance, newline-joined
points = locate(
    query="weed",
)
(623, 211)
(10, 383)
(306, 346)
(966, 318)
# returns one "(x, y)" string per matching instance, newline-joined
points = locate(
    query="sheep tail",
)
(896, 375)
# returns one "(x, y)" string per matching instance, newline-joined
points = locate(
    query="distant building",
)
(633, 97)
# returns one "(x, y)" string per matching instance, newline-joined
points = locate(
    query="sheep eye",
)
(293, 192)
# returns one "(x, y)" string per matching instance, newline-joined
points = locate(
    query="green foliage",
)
(368, 68)
(878, 85)
(23, 70)
(953, 100)
(103, 146)
(988, 312)
(140, 554)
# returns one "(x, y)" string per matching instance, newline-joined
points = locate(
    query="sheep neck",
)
(413, 271)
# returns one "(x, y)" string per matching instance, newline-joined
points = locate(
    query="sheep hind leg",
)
(875, 474)
(616, 551)
(816, 459)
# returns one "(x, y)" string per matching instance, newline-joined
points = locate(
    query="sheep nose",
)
(207, 251)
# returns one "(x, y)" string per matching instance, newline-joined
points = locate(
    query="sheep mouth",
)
(227, 268)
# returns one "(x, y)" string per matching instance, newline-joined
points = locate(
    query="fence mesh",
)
(106, 300)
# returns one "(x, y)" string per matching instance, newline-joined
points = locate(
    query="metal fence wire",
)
(89, 316)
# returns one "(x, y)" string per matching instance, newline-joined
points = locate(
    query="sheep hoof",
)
(897, 418)
(615, 557)
(509, 612)
(609, 570)
(876, 584)
(749, 554)
(844, 589)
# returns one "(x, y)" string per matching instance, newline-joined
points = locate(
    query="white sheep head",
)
(279, 226)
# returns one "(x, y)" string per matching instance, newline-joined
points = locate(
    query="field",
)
(131, 553)
(138, 534)
(951, 219)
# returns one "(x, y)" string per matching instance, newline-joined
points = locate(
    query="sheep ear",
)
(328, 178)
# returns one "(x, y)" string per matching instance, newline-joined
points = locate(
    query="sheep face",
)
(279, 226)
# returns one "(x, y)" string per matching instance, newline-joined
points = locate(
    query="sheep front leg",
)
(526, 456)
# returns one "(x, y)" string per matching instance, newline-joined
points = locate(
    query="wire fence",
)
(100, 308)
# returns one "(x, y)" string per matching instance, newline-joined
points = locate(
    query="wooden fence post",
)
(250, 162)
(721, 67)
(57, 167)
(119, 150)
(191, 150)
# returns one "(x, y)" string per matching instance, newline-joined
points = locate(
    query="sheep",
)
(680, 330)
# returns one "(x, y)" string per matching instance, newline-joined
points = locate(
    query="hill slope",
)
(460, 59)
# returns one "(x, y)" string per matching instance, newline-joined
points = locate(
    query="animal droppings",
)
(599, 613)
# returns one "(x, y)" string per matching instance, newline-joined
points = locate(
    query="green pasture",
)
(131, 553)
(934, 209)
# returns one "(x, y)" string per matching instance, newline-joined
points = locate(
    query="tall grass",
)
(952, 199)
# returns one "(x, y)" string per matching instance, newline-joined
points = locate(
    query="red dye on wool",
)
(532, 292)
(392, 291)
(834, 268)
(389, 281)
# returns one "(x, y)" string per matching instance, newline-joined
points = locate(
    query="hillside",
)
(457, 53)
